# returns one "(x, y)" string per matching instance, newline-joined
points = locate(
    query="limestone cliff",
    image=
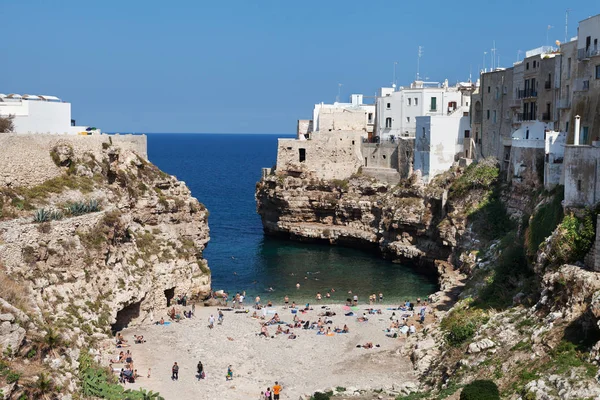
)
(101, 245)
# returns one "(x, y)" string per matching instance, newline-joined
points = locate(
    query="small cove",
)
(221, 171)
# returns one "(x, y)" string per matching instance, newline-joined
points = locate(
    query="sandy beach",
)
(303, 365)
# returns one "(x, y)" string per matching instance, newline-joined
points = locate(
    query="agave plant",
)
(93, 205)
(41, 215)
(56, 215)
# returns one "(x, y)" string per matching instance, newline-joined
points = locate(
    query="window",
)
(302, 154)
(416, 101)
(534, 62)
(494, 119)
(408, 119)
(569, 68)
(389, 106)
(597, 71)
(584, 135)
(370, 118)
(388, 122)
(488, 114)
(409, 100)
(527, 66)
(497, 93)
(489, 89)
(433, 103)
(567, 127)
(467, 133)
(527, 134)
(579, 185)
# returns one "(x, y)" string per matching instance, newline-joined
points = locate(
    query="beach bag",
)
(202, 375)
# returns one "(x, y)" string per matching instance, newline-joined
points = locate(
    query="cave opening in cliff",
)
(169, 294)
(125, 316)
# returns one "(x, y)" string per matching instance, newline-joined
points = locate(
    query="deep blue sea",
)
(222, 171)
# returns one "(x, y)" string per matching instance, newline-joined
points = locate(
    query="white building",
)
(439, 140)
(588, 35)
(39, 114)
(397, 110)
(353, 116)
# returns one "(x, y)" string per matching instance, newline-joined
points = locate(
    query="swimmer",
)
(298, 285)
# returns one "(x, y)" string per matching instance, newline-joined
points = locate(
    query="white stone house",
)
(39, 114)
(353, 116)
(397, 111)
(439, 140)
(553, 159)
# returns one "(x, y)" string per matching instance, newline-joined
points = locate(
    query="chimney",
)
(576, 132)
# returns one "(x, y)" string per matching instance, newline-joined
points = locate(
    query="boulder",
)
(481, 345)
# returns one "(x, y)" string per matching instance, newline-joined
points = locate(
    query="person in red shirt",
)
(276, 391)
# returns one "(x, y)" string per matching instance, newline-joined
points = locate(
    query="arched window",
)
(388, 122)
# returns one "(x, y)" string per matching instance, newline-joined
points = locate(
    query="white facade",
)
(553, 161)
(588, 37)
(38, 114)
(397, 111)
(353, 116)
(439, 140)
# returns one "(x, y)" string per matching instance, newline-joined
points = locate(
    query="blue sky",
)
(251, 66)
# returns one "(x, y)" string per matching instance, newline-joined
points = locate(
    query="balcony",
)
(547, 85)
(581, 85)
(525, 117)
(527, 93)
(586, 54)
(515, 103)
(546, 116)
(564, 104)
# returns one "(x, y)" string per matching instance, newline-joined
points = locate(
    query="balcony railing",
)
(546, 116)
(581, 85)
(527, 93)
(564, 104)
(583, 54)
(548, 85)
(525, 117)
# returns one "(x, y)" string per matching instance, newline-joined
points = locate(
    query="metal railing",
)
(583, 54)
(515, 103)
(526, 93)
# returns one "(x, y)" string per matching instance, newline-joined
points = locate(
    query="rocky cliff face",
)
(410, 222)
(114, 239)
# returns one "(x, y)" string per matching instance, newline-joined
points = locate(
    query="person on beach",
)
(175, 372)
(380, 297)
(328, 295)
(221, 316)
(319, 297)
(355, 299)
(200, 369)
(286, 300)
(211, 321)
(297, 285)
(268, 395)
(276, 390)
(257, 302)
(229, 375)
(264, 331)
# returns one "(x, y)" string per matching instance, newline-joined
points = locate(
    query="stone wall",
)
(25, 159)
(342, 119)
(380, 155)
(581, 175)
(335, 155)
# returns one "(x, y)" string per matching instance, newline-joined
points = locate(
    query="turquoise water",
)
(221, 171)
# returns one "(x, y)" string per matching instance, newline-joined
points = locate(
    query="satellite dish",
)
(394, 85)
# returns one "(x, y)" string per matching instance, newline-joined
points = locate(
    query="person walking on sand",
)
(211, 321)
(221, 316)
(200, 369)
(276, 390)
(268, 395)
(257, 302)
(175, 372)
(229, 376)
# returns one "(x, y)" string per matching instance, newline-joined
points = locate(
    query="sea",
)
(222, 170)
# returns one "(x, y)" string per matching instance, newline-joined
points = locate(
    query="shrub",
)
(573, 240)
(481, 175)
(321, 396)
(543, 222)
(480, 390)
(462, 323)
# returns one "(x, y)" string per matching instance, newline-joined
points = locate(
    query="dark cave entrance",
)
(169, 294)
(125, 316)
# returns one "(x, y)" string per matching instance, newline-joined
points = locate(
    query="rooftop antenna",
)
(493, 53)
(519, 52)
(337, 98)
(394, 78)
(419, 55)
(484, 53)
(547, 32)
(567, 23)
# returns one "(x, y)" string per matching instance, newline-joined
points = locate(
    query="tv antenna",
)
(419, 55)
(493, 54)
(394, 76)
(337, 98)
(547, 32)
(484, 53)
(567, 23)
(519, 52)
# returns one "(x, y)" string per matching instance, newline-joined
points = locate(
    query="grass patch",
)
(55, 186)
(480, 175)
(544, 221)
(462, 323)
